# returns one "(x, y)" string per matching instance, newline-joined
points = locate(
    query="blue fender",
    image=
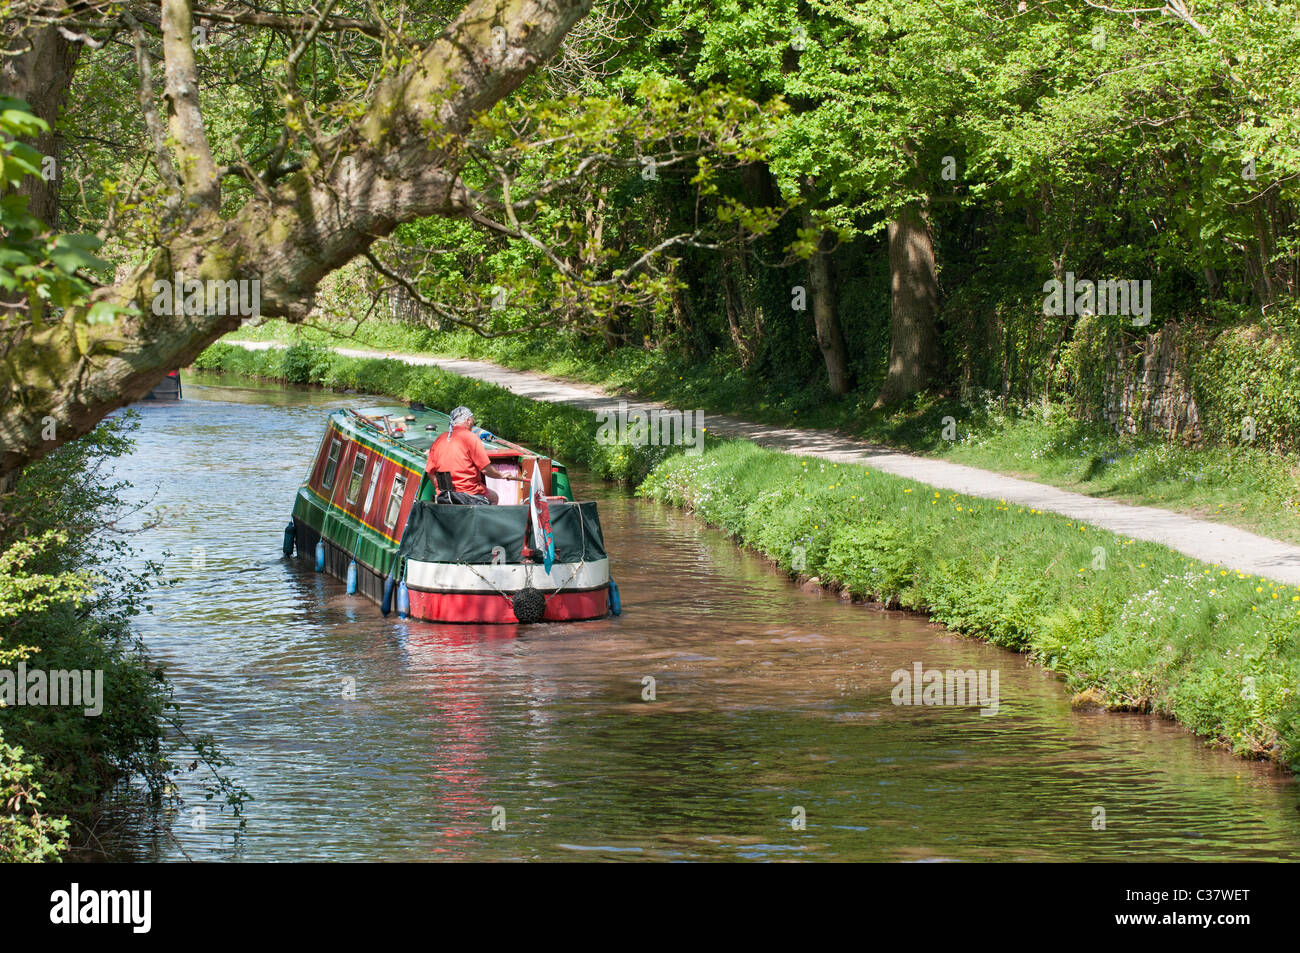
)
(403, 601)
(290, 537)
(320, 555)
(399, 569)
(615, 604)
(352, 578)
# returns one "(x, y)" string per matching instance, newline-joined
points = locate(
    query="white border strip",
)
(508, 577)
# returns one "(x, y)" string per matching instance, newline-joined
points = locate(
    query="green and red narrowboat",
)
(371, 516)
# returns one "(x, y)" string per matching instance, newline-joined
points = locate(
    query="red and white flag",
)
(541, 517)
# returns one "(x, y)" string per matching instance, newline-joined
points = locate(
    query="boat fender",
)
(352, 578)
(320, 555)
(615, 605)
(403, 600)
(386, 606)
(290, 537)
(529, 605)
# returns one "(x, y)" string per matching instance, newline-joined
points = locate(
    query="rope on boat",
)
(505, 595)
(582, 528)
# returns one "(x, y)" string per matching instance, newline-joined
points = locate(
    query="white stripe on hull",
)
(508, 577)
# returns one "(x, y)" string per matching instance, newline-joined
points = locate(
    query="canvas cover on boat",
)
(443, 533)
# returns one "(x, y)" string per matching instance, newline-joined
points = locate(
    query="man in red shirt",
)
(460, 454)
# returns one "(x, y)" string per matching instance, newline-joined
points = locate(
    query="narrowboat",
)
(369, 515)
(169, 388)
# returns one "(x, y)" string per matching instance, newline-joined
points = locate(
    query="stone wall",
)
(1147, 389)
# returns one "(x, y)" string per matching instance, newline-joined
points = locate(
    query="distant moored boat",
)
(169, 388)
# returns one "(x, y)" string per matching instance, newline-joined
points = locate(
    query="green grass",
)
(1241, 486)
(1129, 624)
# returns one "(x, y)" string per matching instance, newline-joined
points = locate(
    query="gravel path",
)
(1209, 542)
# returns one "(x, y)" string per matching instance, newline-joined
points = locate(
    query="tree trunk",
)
(914, 350)
(826, 319)
(400, 160)
(735, 301)
(41, 75)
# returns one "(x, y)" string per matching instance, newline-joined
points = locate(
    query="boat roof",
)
(420, 432)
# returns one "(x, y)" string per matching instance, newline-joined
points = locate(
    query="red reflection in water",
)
(454, 665)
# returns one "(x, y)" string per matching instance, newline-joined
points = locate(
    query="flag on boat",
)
(541, 516)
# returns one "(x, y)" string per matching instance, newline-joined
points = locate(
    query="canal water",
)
(770, 735)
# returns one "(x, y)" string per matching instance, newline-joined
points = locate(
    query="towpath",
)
(1209, 542)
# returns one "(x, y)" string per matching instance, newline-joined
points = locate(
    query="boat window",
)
(358, 471)
(395, 501)
(374, 482)
(331, 465)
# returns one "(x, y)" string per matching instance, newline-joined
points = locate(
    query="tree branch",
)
(185, 120)
(446, 312)
(152, 121)
(399, 161)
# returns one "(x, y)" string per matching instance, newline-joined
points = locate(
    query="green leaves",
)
(584, 189)
(106, 312)
(70, 252)
(17, 159)
(18, 121)
(35, 264)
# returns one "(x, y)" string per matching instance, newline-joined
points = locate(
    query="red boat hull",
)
(588, 600)
(496, 608)
(448, 592)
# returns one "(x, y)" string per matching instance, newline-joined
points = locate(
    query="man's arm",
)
(491, 471)
(479, 457)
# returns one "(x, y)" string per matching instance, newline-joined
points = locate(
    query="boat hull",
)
(169, 388)
(445, 592)
(369, 583)
(451, 592)
(495, 609)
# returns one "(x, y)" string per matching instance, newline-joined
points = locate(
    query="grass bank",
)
(1242, 486)
(1129, 625)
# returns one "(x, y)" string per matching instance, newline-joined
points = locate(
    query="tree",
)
(581, 201)
(875, 91)
(37, 68)
(394, 157)
(914, 307)
(825, 306)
